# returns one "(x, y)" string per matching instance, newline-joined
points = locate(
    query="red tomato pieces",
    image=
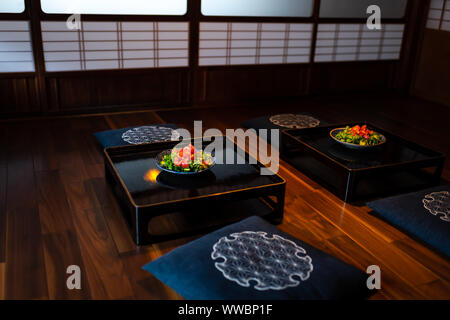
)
(361, 131)
(185, 156)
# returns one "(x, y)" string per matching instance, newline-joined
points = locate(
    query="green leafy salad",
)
(187, 159)
(359, 135)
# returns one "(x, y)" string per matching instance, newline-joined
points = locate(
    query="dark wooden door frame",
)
(417, 12)
(420, 38)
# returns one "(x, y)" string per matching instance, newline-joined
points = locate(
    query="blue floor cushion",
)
(282, 122)
(252, 259)
(424, 214)
(136, 135)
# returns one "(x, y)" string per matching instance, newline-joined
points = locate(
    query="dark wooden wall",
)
(19, 94)
(100, 91)
(250, 83)
(108, 90)
(432, 75)
(373, 76)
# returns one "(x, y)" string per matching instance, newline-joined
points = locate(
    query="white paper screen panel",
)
(147, 7)
(439, 15)
(355, 42)
(16, 53)
(115, 45)
(257, 8)
(12, 6)
(233, 43)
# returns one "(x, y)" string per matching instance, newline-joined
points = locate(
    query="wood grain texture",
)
(244, 83)
(145, 286)
(61, 246)
(70, 216)
(25, 266)
(3, 188)
(431, 73)
(54, 211)
(436, 290)
(347, 244)
(61, 251)
(103, 199)
(133, 119)
(18, 95)
(403, 265)
(351, 253)
(2, 281)
(100, 90)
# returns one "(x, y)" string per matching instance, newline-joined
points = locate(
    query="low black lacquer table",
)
(397, 166)
(224, 194)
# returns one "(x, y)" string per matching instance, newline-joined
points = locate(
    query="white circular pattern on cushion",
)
(269, 262)
(438, 204)
(147, 134)
(294, 121)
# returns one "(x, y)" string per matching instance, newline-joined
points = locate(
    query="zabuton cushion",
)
(424, 214)
(252, 259)
(282, 122)
(135, 135)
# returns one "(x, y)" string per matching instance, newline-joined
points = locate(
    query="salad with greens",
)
(187, 159)
(359, 135)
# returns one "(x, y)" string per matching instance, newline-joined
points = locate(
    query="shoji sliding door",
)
(135, 54)
(127, 54)
(18, 84)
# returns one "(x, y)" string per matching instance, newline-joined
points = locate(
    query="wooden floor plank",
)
(44, 147)
(20, 169)
(2, 281)
(3, 194)
(69, 215)
(77, 196)
(81, 135)
(68, 143)
(436, 290)
(83, 198)
(405, 267)
(105, 271)
(61, 251)
(103, 199)
(432, 260)
(391, 285)
(133, 119)
(361, 214)
(54, 211)
(25, 264)
(144, 284)
(61, 246)
(392, 236)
